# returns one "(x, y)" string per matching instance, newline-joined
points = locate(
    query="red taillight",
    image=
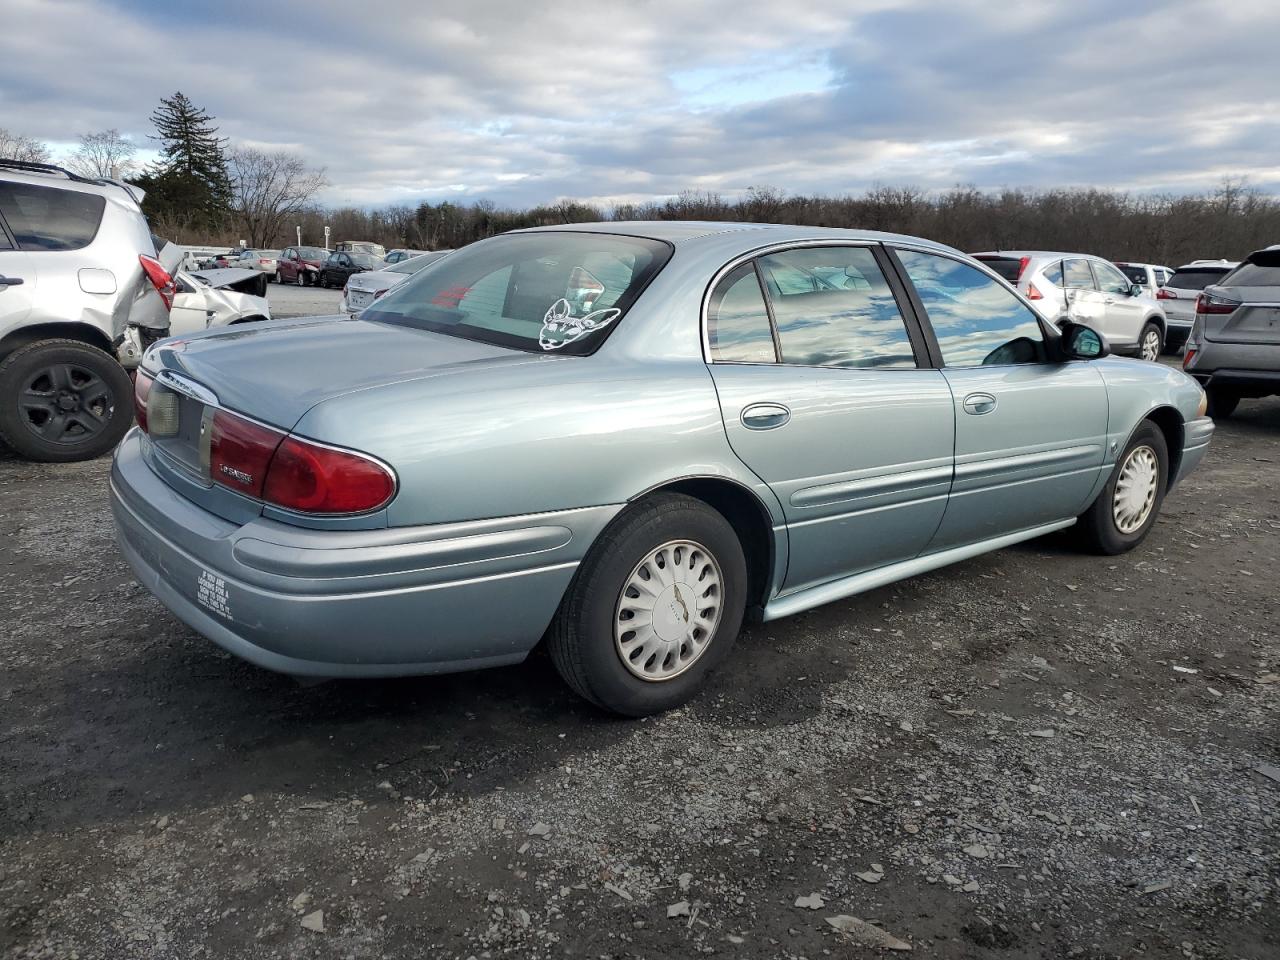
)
(1033, 293)
(1163, 294)
(159, 278)
(1188, 357)
(1022, 266)
(311, 478)
(240, 452)
(141, 387)
(265, 263)
(1207, 303)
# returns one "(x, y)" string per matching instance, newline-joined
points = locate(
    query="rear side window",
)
(738, 329)
(1134, 274)
(1077, 274)
(1053, 273)
(1196, 278)
(46, 218)
(977, 322)
(834, 308)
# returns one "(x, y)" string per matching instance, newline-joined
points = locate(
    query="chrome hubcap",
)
(668, 611)
(1151, 345)
(1135, 489)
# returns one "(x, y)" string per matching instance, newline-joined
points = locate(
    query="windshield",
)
(1135, 273)
(414, 264)
(312, 253)
(1196, 278)
(554, 291)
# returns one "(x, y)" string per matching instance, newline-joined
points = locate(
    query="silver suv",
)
(1179, 294)
(1088, 290)
(1234, 347)
(82, 295)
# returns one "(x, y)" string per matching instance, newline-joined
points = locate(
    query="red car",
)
(301, 265)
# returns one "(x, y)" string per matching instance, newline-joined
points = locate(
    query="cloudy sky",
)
(524, 102)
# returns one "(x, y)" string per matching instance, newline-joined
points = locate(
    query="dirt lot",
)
(1035, 753)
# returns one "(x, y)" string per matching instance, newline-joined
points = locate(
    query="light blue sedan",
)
(624, 438)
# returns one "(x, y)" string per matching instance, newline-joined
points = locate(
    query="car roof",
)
(751, 235)
(1201, 264)
(1039, 254)
(47, 175)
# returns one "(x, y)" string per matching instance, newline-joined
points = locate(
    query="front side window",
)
(738, 329)
(1111, 280)
(1077, 274)
(557, 291)
(834, 308)
(46, 218)
(977, 321)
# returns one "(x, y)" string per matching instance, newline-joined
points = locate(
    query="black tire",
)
(1097, 526)
(581, 639)
(1222, 403)
(63, 400)
(299, 278)
(1151, 328)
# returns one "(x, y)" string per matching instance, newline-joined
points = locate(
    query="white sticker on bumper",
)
(213, 595)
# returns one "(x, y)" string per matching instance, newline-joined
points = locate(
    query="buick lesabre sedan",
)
(623, 438)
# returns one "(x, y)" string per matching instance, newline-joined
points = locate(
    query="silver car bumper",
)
(349, 603)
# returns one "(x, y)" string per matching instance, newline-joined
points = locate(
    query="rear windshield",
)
(554, 291)
(46, 218)
(1262, 269)
(414, 264)
(1196, 278)
(1007, 267)
(1134, 273)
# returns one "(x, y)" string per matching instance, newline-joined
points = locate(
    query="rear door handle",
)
(979, 403)
(765, 416)
(10, 281)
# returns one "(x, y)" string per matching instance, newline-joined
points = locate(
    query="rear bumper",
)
(1247, 383)
(390, 602)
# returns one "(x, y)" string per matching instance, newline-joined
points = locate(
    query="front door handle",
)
(765, 416)
(979, 403)
(10, 281)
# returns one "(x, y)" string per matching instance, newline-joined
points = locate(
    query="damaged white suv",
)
(82, 295)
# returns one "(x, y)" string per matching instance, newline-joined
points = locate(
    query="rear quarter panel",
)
(559, 434)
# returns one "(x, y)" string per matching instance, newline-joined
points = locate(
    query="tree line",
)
(202, 191)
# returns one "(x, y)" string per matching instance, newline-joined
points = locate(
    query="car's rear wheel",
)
(1150, 342)
(62, 400)
(1222, 403)
(656, 604)
(1126, 510)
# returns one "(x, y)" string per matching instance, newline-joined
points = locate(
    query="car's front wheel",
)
(62, 400)
(1126, 509)
(655, 606)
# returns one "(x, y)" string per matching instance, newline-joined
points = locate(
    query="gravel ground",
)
(288, 300)
(1032, 754)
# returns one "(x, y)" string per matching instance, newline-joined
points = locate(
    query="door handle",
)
(765, 416)
(979, 403)
(10, 281)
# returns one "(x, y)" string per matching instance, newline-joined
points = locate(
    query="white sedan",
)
(364, 288)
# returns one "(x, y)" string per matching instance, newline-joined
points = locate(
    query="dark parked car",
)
(340, 266)
(301, 265)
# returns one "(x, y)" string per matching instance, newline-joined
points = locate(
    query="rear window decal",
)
(560, 328)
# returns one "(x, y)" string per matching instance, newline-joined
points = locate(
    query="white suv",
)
(1088, 290)
(82, 295)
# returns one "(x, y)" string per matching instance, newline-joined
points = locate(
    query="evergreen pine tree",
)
(189, 183)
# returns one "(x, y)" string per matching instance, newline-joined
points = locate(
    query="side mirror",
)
(1136, 289)
(1080, 342)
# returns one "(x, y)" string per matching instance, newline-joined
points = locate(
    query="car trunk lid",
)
(1256, 320)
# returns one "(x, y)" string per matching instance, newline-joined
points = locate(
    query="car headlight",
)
(1203, 408)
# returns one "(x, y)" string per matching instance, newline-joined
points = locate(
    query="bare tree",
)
(14, 146)
(104, 154)
(269, 190)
